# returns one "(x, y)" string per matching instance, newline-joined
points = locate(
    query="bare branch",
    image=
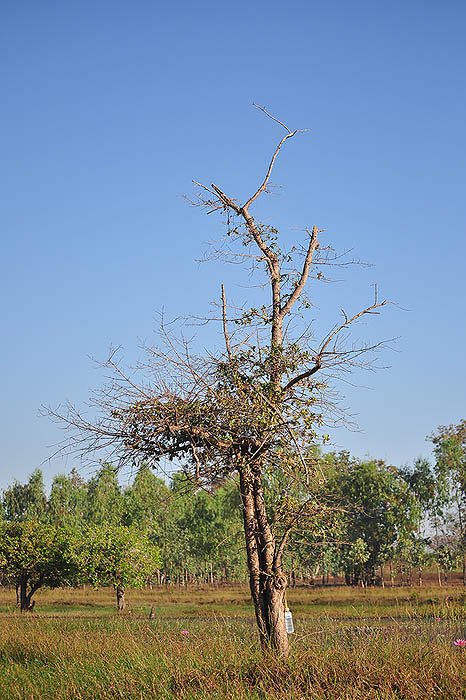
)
(331, 336)
(313, 244)
(262, 109)
(289, 135)
(225, 327)
(269, 172)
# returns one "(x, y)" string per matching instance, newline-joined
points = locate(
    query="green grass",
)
(349, 645)
(338, 602)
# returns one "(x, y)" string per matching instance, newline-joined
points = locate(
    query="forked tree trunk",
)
(120, 596)
(266, 580)
(26, 602)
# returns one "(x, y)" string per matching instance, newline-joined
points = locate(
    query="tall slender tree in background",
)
(145, 500)
(248, 411)
(450, 468)
(26, 501)
(104, 502)
(67, 501)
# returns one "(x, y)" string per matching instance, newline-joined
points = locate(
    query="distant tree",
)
(67, 501)
(380, 511)
(450, 469)
(144, 501)
(313, 542)
(230, 548)
(423, 483)
(212, 532)
(199, 532)
(413, 550)
(26, 501)
(104, 500)
(119, 556)
(447, 555)
(419, 554)
(354, 559)
(172, 536)
(34, 555)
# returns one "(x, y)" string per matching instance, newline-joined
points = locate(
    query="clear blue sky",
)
(109, 109)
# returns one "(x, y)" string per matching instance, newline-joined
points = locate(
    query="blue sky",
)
(111, 108)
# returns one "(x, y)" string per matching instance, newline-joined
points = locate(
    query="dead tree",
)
(252, 409)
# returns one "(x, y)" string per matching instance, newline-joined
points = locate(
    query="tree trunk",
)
(18, 595)
(23, 596)
(26, 603)
(275, 605)
(120, 597)
(266, 581)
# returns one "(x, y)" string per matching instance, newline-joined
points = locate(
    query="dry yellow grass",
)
(76, 647)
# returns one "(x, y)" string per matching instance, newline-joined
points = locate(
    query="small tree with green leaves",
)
(118, 556)
(34, 555)
(354, 558)
(447, 557)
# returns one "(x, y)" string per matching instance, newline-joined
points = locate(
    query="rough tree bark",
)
(120, 597)
(25, 595)
(267, 581)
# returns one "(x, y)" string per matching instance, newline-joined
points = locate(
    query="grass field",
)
(349, 644)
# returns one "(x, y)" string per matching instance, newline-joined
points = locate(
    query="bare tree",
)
(250, 410)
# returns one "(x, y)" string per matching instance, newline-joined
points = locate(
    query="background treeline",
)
(377, 524)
